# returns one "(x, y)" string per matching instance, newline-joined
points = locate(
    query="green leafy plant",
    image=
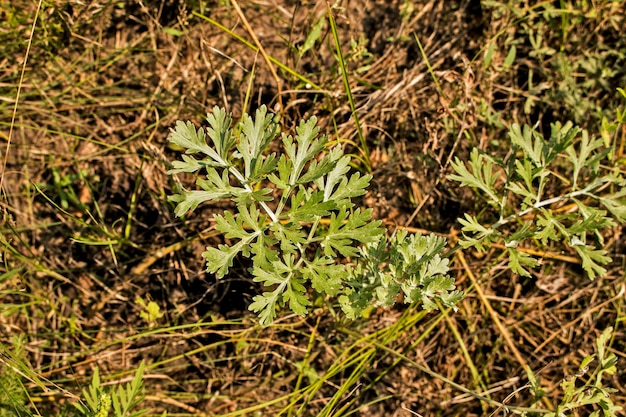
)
(296, 220)
(590, 197)
(592, 392)
(567, 69)
(579, 392)
(150, 311)
(410, 265)
(124, 400)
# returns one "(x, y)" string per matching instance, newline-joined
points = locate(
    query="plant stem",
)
(539, 205)
(247, 187)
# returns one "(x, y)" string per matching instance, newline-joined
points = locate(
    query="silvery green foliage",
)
(296, 221)
(569, 163)
(407, 265)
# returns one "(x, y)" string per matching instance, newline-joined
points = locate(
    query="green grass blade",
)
(346, 81)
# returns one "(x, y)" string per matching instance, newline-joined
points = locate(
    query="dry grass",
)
(87, 228)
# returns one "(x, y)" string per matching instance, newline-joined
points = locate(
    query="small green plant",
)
(590, 197)
(591, 392)
(296, 220)
(124, 400)
(405, 264)
(150, 311)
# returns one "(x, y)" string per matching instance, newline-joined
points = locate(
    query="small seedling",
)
(151, 312)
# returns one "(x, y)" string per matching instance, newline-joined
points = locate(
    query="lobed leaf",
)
(220, 259)
(529, 142)
(550, 226)
(583, 158)
(290, 235)
(189, 164)
(592, 259)
(348, 189)
(265, 305)
(561, 138)
(317, 169)
(220, 132)
(256, 134)
(480, 176)
(616, 204)
(189, 200)
(193, 140)
(345, 228)
(306, 206)
(483, 236)
(306, 147)
(326, 277)
(519, 261)
(290, 288)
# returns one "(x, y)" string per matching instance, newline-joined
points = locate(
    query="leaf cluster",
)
(520, 189)
(294, 213)
(123, 399)
(406, 265)
(592, 391)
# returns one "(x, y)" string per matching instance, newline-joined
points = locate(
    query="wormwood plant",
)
(295, 219)
(592, 391)
(590, 197)
(123, 400)
(586, 389)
